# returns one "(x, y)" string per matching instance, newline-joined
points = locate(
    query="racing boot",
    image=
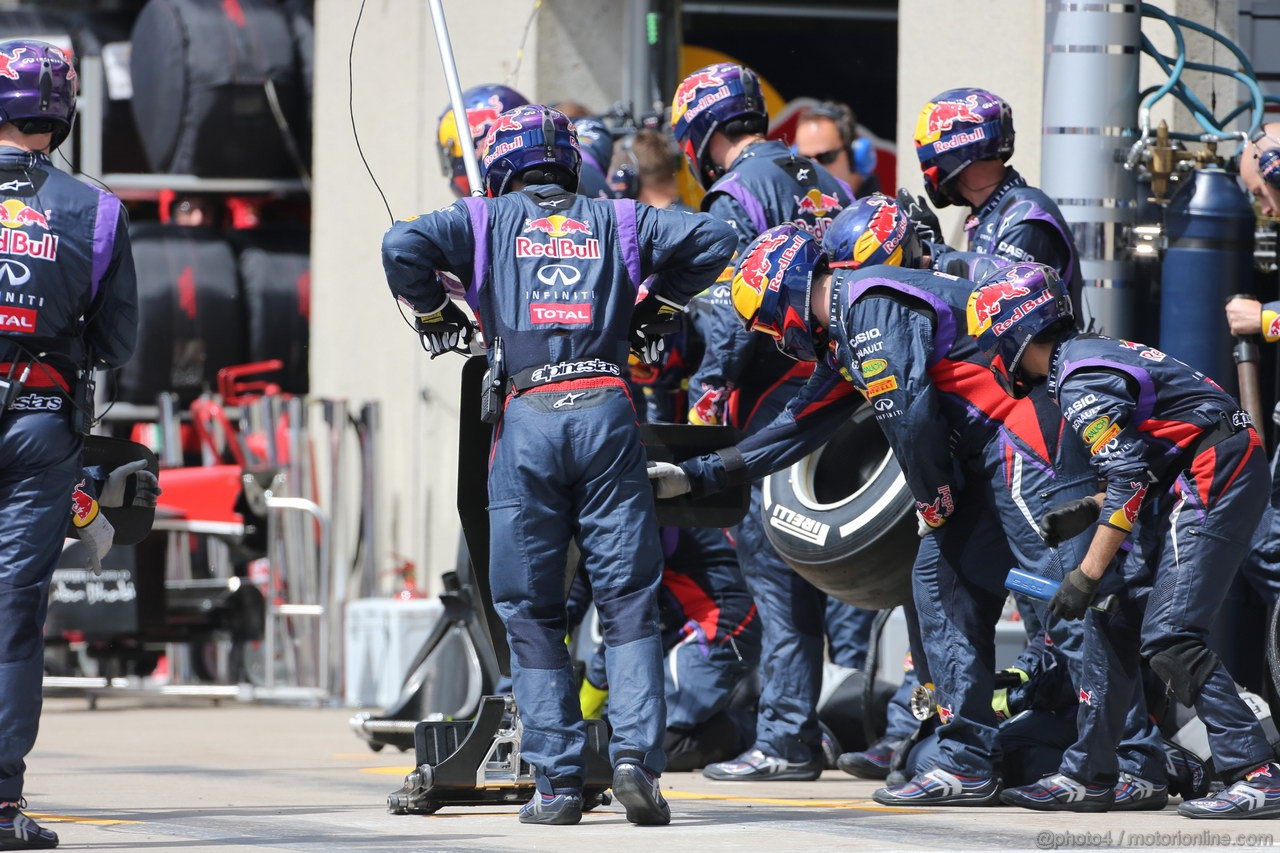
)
(638, 790)
(1188, 777)
(1134, 794)
(1060, 793)
(755, 766)
(19, 832)
(873, 762)
(938, 787)
(1257, 795)
(552, 809)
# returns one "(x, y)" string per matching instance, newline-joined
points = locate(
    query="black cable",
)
(351, 111)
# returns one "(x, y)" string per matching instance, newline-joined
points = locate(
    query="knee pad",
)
(1184, 667)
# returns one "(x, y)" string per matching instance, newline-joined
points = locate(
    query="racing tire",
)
(843, 517)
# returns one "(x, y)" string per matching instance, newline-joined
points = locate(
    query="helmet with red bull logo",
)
(483, 105)
(771, 286)
(956, 128)
(534, 143)
(38, 86)
(873, 230)
(596, 141)
(722, 97)
(1009, 309)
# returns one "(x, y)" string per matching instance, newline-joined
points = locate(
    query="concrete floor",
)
(194, 777)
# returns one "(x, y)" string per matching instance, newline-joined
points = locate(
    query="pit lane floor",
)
(194, 777)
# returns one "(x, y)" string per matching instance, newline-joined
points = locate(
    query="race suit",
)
(70, 301)
(743, 380)
(712, 641)
(982, 467)
(553, 278)
(1021, 223)
(1183, 464)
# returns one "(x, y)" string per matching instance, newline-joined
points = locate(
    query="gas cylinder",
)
(1209, 226)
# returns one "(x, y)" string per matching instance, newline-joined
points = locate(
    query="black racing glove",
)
(1074, 596)
(653, 319)
(921, 215)
(442, 329)
(1068, 520)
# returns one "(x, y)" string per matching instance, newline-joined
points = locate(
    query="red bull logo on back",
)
(16, 214)
(817, 202)
(562, 230)
(556, 225)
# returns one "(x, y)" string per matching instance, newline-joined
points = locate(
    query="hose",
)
(1175, 65)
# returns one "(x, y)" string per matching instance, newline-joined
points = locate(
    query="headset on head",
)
(1269, 160)
(862, 151)
(625, 180)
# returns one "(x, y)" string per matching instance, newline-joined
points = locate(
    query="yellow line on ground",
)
(388, 771)
(88, 821)
(858, 805)
(854, 805)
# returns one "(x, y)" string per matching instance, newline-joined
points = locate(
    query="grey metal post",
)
(636, 77)
(455, 93)
(370, 424)
(1090, 118)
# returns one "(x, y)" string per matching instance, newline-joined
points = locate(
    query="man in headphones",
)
(645, 166)
(1260, 172)
(828, 134)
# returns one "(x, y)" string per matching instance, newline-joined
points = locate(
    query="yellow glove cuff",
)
(592, 699)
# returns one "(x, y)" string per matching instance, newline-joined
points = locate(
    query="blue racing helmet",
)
(956, 128)
(528, 139)
(1008, 309)
(37, 88)
(771, 285)
(595, 141)
(483, 105)
(708, 100)
(873, 230)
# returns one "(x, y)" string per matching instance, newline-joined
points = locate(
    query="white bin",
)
(382, 637)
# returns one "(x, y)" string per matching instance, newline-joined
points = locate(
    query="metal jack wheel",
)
(478, 762)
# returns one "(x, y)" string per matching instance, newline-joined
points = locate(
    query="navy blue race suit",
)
(1021, 223)
(68, 300)
(982, 467)
(553, 278)
(1180, 461)
(712, 640)
(743, 380)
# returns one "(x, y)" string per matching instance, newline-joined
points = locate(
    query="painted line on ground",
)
(853, 805)
(857, 805)
(87, 821)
